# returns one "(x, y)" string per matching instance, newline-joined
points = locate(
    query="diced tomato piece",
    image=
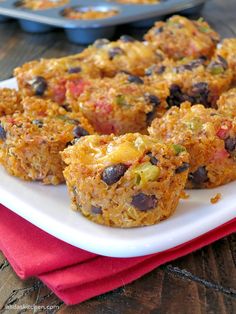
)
(42, 113)
(76, 87)
(220, 154)
(103, 107)
(10, 120)
(104, 128)
(128, 90)
(60, 92)
(223, 131)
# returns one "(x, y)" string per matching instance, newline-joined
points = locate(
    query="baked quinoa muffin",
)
(126, 54)
(127, 181)
(227, 50)
(10, 101)
(125, 103)
(208, 136)
(90, 13)
(40, 4)
(196, 81)
(30, 142)
(227, 103)
(47, 78)
(180, 37)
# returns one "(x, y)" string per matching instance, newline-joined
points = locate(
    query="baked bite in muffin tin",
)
(86, 21)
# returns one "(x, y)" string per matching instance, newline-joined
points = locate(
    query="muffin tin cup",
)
(146, 23)
(86, 31)
(4, 18)
(86, 36)
(34, 27)
(193, 11)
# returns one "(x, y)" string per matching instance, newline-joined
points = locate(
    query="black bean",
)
(135, 79)
(190, 66)
(113, 52)
(176, 96)
(37, 122)
(3, 134)
(223, 62)
(79, 131)
(161, 69)
(69, 144)
(153, 160)
(230, 144)
(67, 107)
(159, 30)
(199, 176)
(99, 43)
(182, 168)
(39, 85)
(155, 69)
(74, 70)
(150, 116)
(153, 99)
(112, 174)
(149, 71)
(155, 102)
(144, 202)
(97, 210)
(200, 94)
(127, 39)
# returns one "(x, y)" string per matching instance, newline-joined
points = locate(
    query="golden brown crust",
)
(144, 194)
(31, 141)
(180, 37)
(209, 139)
(122, 104)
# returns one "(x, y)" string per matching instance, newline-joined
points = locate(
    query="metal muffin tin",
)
(86, 31)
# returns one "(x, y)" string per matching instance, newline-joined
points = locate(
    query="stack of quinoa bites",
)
(127, 124)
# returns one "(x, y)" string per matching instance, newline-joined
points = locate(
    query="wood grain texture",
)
(201, 282)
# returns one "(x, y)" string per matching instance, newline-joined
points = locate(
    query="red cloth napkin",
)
(75, 275)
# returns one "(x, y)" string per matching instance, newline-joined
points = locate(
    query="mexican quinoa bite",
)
(30, 141)
(126, 181)
(180, 37)
(208, 136)
(199, 81)
(10, 101)
(125, 103)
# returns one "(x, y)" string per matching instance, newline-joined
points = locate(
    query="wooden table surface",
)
(201, 282)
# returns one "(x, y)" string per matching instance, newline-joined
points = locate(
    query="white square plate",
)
(48, 207)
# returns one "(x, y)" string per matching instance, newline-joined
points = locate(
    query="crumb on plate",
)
(216, 198)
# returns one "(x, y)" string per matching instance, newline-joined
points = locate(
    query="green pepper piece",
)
(146, 172)
(217, 70)
(178, 149)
